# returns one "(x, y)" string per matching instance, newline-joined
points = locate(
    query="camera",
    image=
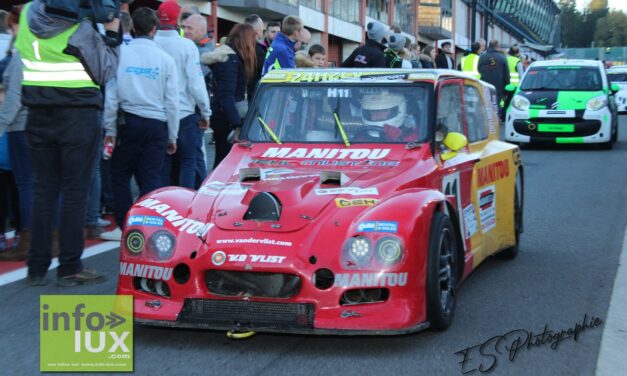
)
(99, 11)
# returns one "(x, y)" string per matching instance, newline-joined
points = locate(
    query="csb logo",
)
(86, 333)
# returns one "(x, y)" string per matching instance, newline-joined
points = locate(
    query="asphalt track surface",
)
(575, 217)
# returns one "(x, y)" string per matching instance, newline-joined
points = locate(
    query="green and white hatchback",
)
(563, 101)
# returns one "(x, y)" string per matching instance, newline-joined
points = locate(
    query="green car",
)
(563, 102)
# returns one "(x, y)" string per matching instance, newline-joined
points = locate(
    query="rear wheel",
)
(441, 272)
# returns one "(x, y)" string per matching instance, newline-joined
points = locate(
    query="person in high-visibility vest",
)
(65, 63)
(470, 62)
(515, 65)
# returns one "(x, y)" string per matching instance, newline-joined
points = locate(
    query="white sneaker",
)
(103, 222)
(114, 235)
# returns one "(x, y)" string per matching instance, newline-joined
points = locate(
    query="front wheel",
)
(441, 272)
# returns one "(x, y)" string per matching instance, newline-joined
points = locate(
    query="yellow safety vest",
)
(512, 62)
(470, 65)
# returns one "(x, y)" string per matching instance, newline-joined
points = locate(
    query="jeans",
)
(185, 153)
(63, 142)
(140, 151)
(201, 166)
(19, 153)
(93, 205)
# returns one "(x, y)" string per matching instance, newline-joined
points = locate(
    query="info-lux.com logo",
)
(86, 333)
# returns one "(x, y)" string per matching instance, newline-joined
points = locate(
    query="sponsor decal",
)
(269, 162)
(145, 220)
(215, 188)
(344, 203)
(218, 258)
(86, 333)
(145, 271)
(331, 163)
(325, 153)
(487, 211)
(261, 259)
(353, 191)
(492, 172)
(378, 226)
(190, 226)
(383, 163)
(319, 76)
(370, 279)
(254, 241)
(470, 220)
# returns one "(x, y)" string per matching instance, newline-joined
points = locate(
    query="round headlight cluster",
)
(135, 242)
(162, 244)
(358, 250)
(389, 250)
(520, 103)
(596, 103)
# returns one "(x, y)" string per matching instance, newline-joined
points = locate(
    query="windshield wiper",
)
(267, 129)
(339, 123)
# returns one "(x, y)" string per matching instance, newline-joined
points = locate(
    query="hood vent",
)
(250, 174)
(264, 207)
(333, 178)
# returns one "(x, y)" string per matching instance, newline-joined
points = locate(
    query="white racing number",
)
(334, 92)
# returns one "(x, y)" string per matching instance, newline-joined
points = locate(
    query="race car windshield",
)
(339, 113)
(617, 77)
(564, 78)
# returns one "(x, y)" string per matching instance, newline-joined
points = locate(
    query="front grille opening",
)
(323, 279)
(252, 284)
(364, 296)
(152, 286)
(247, 315)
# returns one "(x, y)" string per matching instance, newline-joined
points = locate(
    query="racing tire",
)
(441, 272)
(511, 252)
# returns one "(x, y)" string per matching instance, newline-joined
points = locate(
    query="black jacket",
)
(493, 69)
(229, 84)
(260, 50)
(441, 61)
(370, 55)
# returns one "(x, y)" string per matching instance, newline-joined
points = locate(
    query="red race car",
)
(355, 202)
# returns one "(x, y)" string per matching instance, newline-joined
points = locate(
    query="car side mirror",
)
(455, 141)
(510, 88)
(614, 88)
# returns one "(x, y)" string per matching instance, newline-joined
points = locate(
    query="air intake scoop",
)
(264, 207)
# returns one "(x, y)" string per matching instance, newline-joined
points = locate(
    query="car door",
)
(456, 173)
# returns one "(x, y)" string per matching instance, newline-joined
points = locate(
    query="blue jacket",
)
(280, 54)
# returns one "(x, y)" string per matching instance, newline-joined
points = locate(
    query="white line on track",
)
(21, 273)
(612, 359)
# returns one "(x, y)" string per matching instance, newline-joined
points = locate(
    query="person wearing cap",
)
(444, 59)
(281, 52)
(370, 55)
(192, 93)
(393, 59)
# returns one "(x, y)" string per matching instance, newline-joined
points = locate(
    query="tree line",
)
(595, 26)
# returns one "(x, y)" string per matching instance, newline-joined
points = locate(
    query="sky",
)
(616, 4)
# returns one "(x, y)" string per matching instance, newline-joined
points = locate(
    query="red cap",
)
(168, 13)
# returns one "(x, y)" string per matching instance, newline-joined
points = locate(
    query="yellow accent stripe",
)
(339, 125)
(269, 130)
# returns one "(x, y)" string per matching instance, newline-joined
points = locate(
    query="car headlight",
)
(135, 242)
(597, 103)
(357, 251)
(389, 250)
(520, 103)
(162, 244)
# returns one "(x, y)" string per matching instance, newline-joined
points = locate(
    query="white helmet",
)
(384, 108)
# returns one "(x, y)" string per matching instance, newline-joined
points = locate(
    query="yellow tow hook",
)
(239, 335)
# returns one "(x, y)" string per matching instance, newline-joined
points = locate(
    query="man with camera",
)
(66, 62)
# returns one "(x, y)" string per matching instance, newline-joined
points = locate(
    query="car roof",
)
(617, 69)
(375, 75)
(577, 62)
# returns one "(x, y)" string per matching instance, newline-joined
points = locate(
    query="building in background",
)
(339, 24)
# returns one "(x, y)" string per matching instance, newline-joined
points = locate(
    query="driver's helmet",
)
(384, 108)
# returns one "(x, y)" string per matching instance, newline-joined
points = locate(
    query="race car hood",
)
(559, 100)
(280, 190)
